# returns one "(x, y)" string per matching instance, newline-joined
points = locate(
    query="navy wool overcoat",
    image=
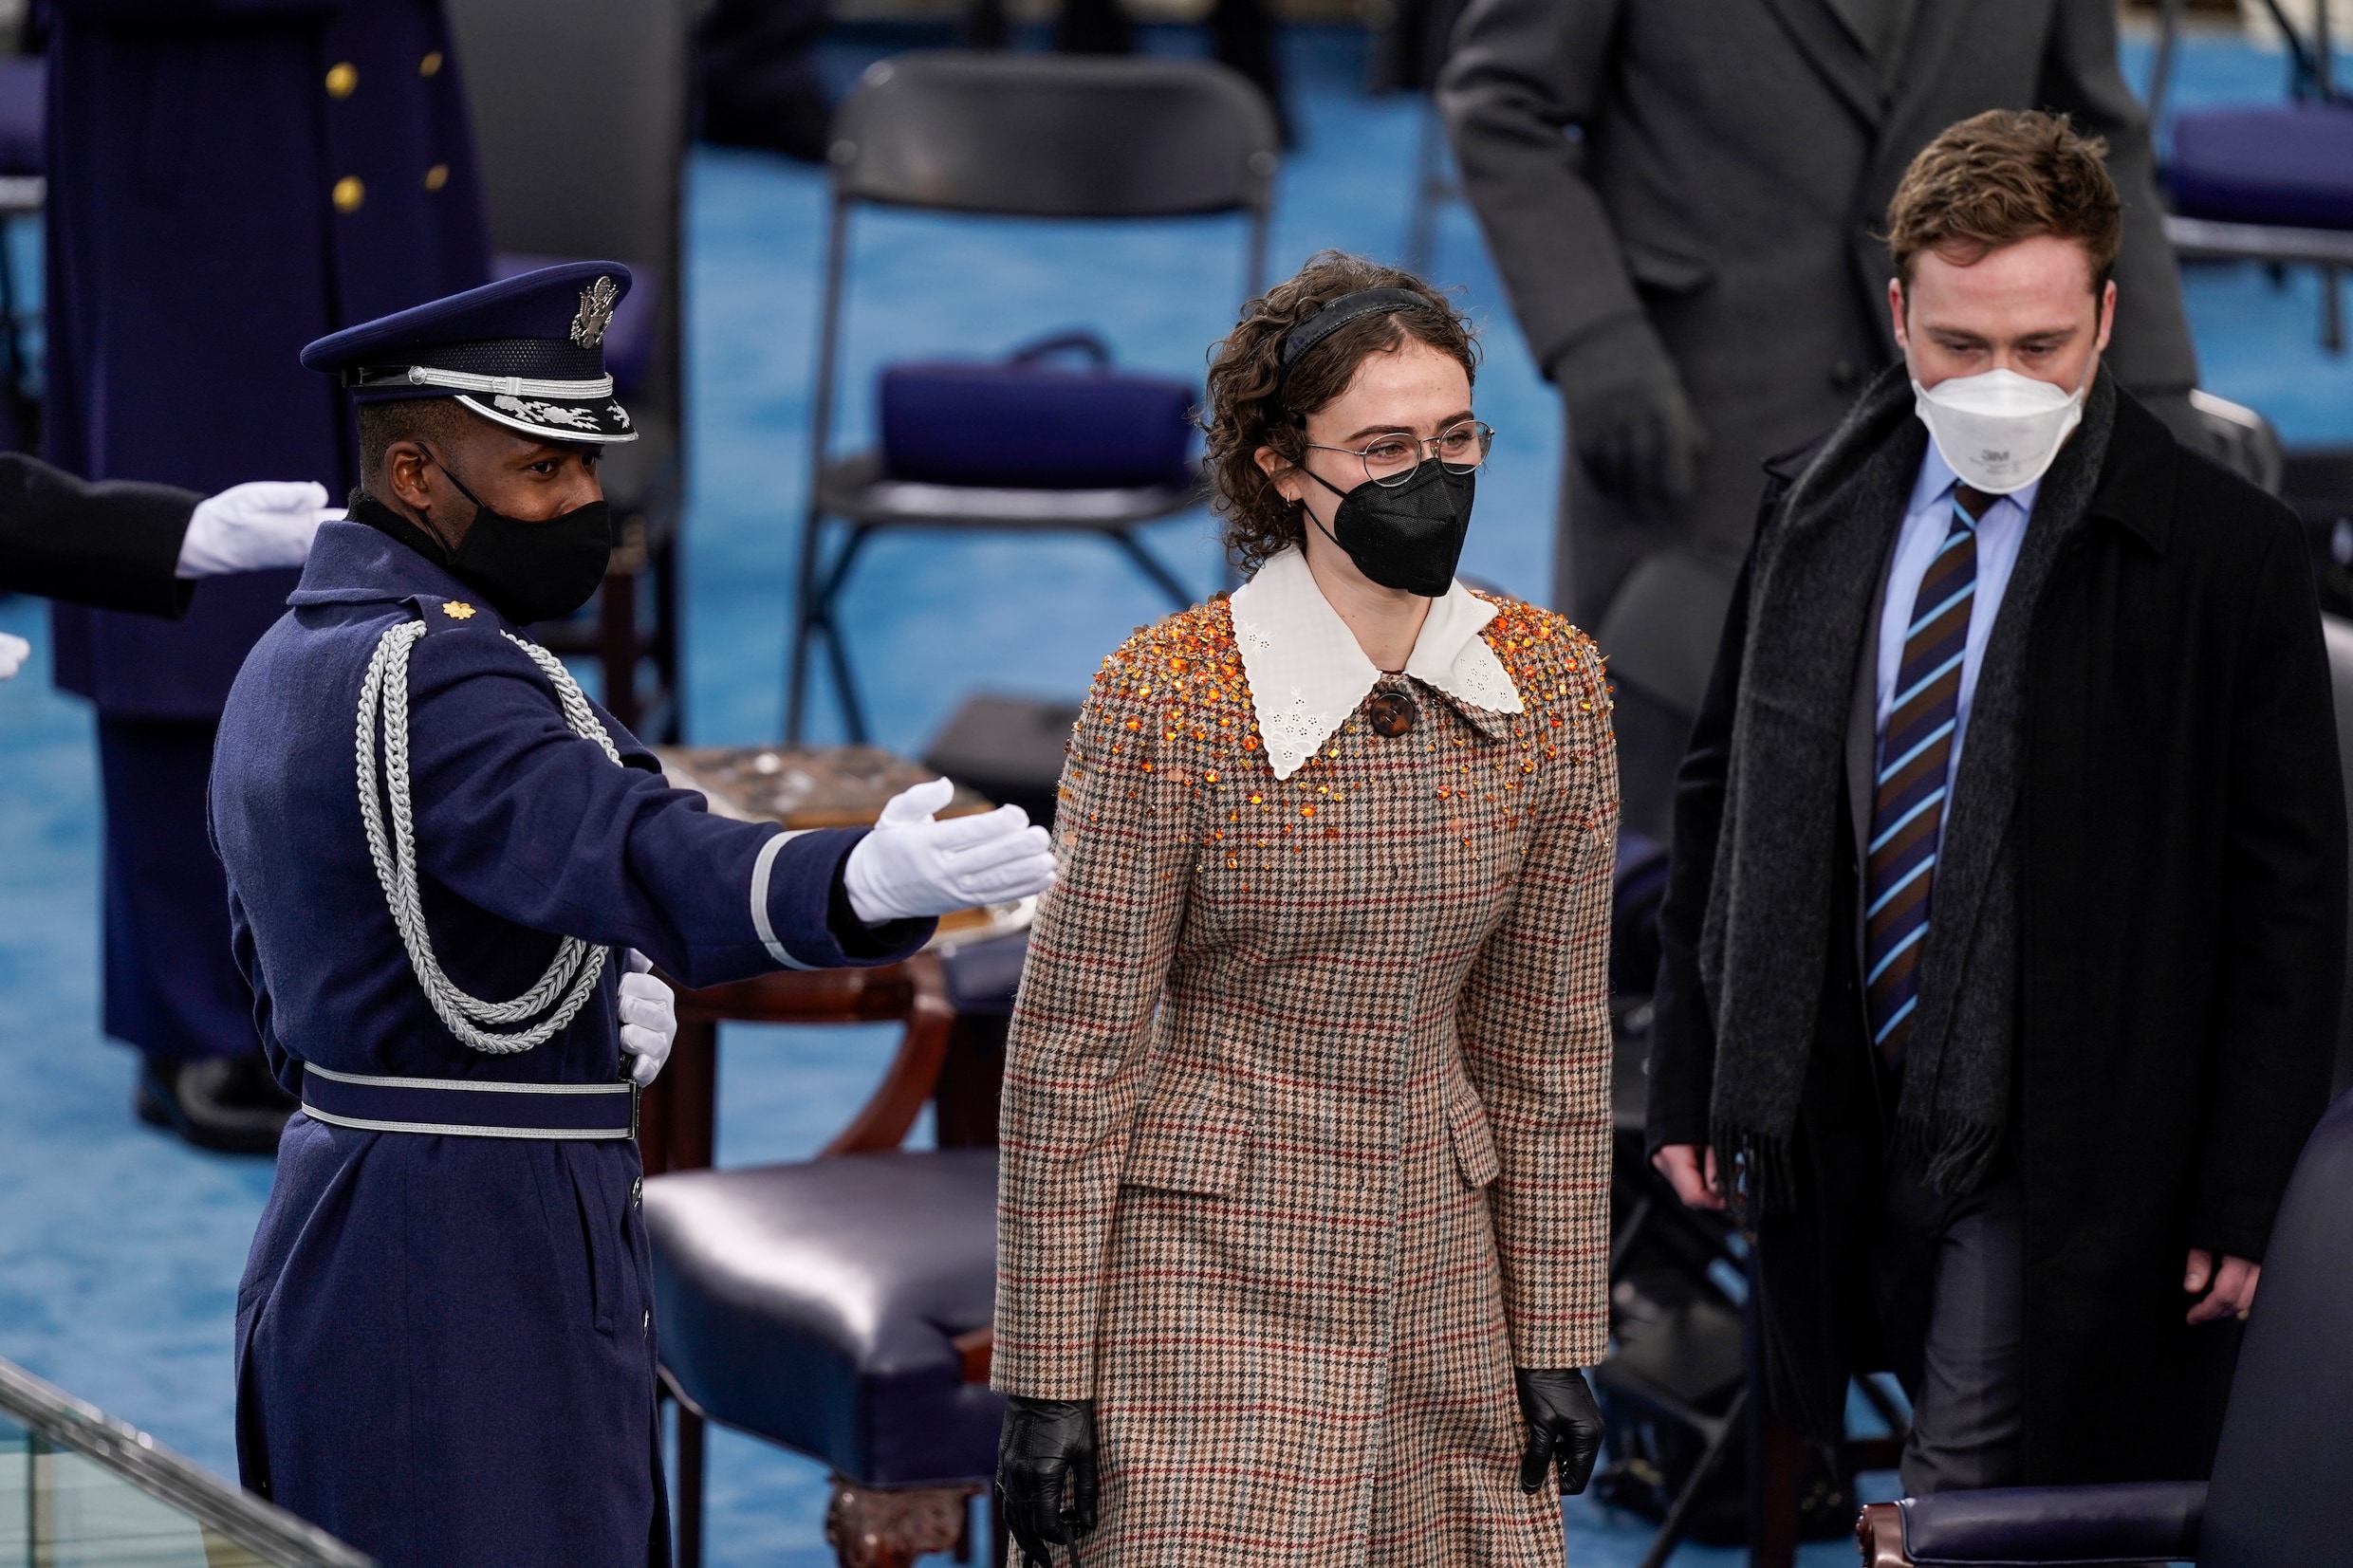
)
(445, 1343)
(229, 179)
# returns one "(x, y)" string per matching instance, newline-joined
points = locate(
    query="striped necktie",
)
(1908, 801)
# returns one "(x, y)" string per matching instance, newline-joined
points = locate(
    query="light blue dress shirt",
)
(1927, 519)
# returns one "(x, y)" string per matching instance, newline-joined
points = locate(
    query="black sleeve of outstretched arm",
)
(112, 546)
(1682, 1041)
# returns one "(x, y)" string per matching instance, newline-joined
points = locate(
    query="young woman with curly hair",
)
(1303, 1207)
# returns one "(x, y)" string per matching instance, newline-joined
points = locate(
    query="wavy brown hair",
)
(1246, 366)
(2002, 176)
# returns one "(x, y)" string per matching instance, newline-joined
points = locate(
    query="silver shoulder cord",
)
(571, 978)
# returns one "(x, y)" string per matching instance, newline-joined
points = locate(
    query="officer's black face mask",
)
(1408, 535)
(532, 571)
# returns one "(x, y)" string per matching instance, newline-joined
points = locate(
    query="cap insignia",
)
(458, 609)
(596, 313)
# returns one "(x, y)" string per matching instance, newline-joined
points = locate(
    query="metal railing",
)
(77, 1487)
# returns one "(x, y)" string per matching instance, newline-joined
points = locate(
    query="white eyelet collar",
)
(1307, 675)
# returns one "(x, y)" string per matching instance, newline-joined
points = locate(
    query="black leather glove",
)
(1045, 1444)
(1633, 427)
(1563, 1425)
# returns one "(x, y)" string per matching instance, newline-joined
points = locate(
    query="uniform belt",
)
(470, 1108)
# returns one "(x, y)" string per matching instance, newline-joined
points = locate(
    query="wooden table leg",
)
(689, 1511)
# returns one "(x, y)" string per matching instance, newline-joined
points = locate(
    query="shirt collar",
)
(1937, 480)
(1307, 675)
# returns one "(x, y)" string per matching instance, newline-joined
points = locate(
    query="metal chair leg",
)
(1670, 1534)
(1180, 595)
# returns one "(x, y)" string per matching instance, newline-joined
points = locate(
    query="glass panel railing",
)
(79, 1490)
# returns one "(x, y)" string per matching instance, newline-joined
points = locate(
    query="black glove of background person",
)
(1563, 1425)
(1633, 427)
(1045, 1443)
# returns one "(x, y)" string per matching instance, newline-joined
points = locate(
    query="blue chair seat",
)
(817, 1306)
(2290, 166)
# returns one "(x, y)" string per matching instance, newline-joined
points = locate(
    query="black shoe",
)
(229, 1104)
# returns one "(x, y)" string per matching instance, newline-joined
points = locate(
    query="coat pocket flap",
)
(1189, 1145)
(1474, 1145)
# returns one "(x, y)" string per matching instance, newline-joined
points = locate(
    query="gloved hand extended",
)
(911, 866)
(14, 651)
(649, 1019)
(1043, 1444)
(253, 527)
(1634, 426)
(1563, 1426)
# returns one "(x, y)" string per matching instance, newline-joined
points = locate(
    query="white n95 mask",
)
(1999, 430)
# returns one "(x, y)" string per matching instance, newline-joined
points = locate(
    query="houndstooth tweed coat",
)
(1306, 1129)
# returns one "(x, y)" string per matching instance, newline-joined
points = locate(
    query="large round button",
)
(341, 79)
(1391, 712)
(436, 177)
(430, 64)
(349, 194)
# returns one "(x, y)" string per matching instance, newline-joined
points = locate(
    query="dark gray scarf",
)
(1812, 586)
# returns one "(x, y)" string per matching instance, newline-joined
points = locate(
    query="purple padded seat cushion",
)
(815, 1305)
(23, 86)
(2128, 1524)
(984, 977)
(2291, 166)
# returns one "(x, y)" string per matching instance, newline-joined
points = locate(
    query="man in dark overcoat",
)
(445, 1335)
(1681, 196)
(228, 180)
(2005, 921)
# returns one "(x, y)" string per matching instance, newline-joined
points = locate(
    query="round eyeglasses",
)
(1392, 459)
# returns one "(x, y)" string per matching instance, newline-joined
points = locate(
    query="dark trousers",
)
(173, 990)
(1948, 1275)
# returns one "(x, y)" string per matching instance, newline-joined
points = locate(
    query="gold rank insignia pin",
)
(458, 609)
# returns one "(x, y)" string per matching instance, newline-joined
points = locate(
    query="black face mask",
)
(531, 571)
(1409, 536)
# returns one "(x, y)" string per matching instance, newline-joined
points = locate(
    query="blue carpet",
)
(120, 1249)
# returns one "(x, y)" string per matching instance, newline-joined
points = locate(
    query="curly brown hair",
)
(2002, 176)
(1245, 369)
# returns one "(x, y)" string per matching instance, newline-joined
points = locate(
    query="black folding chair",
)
(1015, 135)
(2271, 183)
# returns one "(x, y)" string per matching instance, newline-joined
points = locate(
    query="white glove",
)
(911, 865)
(649, 1019)
(251, 527)
(14, 653)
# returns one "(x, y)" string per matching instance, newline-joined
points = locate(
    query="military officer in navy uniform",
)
(445, 1341)
(228, 180)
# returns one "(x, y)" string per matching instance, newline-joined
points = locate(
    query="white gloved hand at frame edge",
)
(14, 651)
(253, 526)
(912, 866)
(649, 1017)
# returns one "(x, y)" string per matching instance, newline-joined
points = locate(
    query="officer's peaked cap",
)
(526, 352)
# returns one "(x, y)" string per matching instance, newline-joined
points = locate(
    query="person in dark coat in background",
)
(2006, 922)
(1681, 196)
(445, 1337)
(228, 180)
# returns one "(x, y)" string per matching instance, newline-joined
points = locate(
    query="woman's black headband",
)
(1334, 315)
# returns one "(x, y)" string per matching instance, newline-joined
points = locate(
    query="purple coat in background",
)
(203, 225)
